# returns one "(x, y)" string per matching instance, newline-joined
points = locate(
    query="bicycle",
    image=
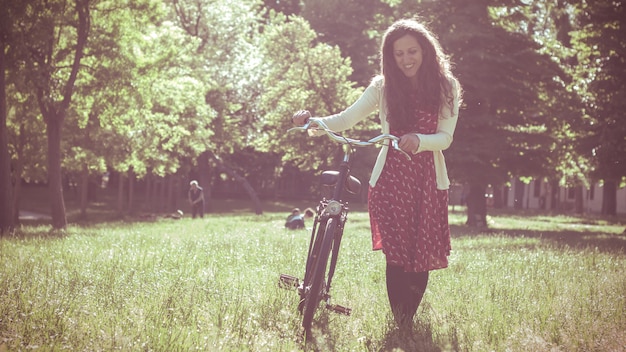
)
(328, 226)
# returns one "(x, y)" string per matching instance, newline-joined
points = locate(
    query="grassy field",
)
(529, 283)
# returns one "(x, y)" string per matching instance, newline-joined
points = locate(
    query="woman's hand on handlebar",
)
(409, 143)
(300, 117)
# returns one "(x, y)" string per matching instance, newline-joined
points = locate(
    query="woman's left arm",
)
(446, 125)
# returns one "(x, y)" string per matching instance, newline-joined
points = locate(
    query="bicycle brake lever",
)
(304, 127)
(394, 143)
(296, 128)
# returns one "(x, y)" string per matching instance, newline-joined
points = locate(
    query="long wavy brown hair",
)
(433, 76)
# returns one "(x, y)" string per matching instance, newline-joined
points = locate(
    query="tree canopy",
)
(162, 88)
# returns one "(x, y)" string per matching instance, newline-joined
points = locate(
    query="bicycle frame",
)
(322, 217)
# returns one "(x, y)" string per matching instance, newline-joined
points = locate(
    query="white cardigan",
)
(372, 99)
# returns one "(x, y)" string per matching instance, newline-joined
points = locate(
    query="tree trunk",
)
(205, 179)
(578, 200)
(148, 200)
(17, 172)
(163, 195)
(17, 194)
(154, 199)
(54, 111)
(156, 184)
(476, 205)
(177, 192)
(131, 191)
(518, 195)
(506, 190)
(54, 124)
(246, 185)
(174, 193)
(169, 203)
(7, 220)
(498, 198)
(120, 194)
(609, 197)
(554, 195)
(84, 191)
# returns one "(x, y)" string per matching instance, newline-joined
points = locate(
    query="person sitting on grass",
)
(295, 220)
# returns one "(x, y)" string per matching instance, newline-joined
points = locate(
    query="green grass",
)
(529, 283)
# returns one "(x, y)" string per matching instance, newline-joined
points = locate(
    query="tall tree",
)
(302, 73)
(166, 120)
(108, 68)
(599, 40)
(511, 99)
(6, 194)
(559, 110)
(55, 34)
(584, 38)
(9, 56)
(355, 26)
(227, 59)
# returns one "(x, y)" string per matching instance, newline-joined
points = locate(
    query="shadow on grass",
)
(417, 338)
(577, 239)
(320, 338)
(41, 231)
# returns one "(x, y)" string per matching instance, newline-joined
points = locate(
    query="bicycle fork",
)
(289, 282)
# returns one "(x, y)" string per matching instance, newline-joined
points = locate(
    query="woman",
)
(417, 98)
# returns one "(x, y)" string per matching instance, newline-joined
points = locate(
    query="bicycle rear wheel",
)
(317, 289)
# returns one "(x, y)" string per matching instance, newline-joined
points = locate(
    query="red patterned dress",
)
(408, 214)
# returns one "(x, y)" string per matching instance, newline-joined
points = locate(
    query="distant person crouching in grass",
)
(295, 220)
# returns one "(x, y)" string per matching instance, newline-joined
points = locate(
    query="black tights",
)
(405, 291)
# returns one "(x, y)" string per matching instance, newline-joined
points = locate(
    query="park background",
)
(152, 94)
(109, 108)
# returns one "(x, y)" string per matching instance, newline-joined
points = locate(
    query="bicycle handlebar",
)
(312, 122)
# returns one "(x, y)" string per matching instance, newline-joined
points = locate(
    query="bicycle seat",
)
(329, 178)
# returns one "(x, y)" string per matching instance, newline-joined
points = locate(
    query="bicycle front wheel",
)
(317, 289)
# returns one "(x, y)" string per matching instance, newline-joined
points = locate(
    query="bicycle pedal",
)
(288, 282)
(339, 309)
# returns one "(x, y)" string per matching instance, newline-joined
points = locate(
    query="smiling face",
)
(408, 54)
